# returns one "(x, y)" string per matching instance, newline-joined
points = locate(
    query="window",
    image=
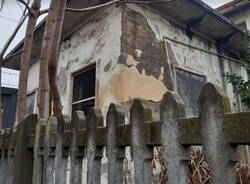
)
(9, 105)
(84, 90)
(189, 86)
(30, 103)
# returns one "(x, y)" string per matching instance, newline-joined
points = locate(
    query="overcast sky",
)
(9, 17)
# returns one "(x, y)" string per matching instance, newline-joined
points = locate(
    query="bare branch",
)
(26, 5)
(20, 23)
(43, 11)
(118, 1)
(2, 4)
(25, 10)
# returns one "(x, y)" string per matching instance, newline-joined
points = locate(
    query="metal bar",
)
(84, 100)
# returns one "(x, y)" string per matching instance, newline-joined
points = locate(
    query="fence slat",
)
(213, 103)
(176, 156)
(77, 154)
(115, 154)
(61, 153)
(94, 154)
(142, 155)
(49, 153)
(24, 157)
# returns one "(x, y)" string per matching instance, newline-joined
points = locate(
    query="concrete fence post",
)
(23, 171)
(221, 157)
(76, 153)
(11, 156)
(49, 152)
(2, 165)
(62, 154)
(4, 155)
(142, 154)
(94, 154)
(38, 154)
(115, 154)
(176, 156)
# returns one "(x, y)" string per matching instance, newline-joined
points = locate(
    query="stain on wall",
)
(139, 41)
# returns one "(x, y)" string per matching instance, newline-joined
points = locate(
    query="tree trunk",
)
(52, 66)
(46, 51)
(25, 59)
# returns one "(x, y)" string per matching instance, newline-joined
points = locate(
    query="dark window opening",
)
(189, 86)
(84, 90)
(30, 103)
(9, 105)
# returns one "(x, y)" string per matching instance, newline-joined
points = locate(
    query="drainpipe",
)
(172, 76)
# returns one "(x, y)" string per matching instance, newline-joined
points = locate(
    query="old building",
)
(238, 11)
(126, 51)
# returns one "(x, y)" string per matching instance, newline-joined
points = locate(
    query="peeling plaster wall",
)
(127, 45)
(180, 56)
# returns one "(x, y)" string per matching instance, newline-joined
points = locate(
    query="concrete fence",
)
(38, 152)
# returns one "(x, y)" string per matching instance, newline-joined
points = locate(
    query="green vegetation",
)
(240, 85)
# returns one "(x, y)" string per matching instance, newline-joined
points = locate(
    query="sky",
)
(9, 16)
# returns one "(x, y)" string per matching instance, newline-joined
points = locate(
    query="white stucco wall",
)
(96, 42)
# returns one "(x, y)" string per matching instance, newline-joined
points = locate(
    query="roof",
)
(234, 6)
(194, 15)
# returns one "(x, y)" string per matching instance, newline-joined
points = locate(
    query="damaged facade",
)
(123, 52)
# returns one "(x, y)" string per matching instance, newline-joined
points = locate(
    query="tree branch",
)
(26, 5)
(118, 1)
(43, 11)
(20, 23)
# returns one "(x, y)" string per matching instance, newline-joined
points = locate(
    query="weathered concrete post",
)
(24, 157)
(221, 157)
(2, 160)
(62, 154)
(141, 153)
(76, 154)
(94, 154)
(176, 156)
(115, 154)
(38, 154)
(11, 156)
(49, 153)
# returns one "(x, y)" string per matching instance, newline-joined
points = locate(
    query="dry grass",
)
(199, 170)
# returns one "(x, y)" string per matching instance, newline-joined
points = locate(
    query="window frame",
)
(78, 72)
(185, 70)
